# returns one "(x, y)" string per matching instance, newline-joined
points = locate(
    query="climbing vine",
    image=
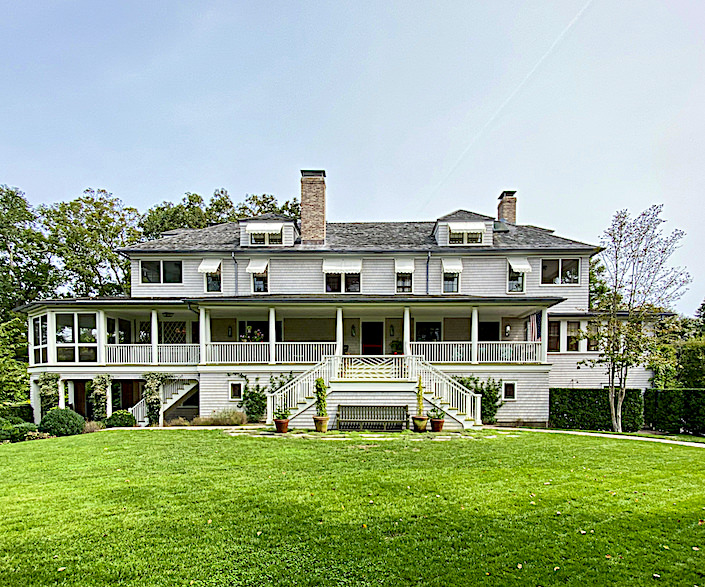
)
(153, 399)
(101, 387)
(48, 391)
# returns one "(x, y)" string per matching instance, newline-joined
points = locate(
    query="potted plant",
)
(419, 419)
(397, 347)
(321, 418)
(437, 419)
(281, 418)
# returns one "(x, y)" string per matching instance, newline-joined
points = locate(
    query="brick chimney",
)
(313, 207)
(507, 208)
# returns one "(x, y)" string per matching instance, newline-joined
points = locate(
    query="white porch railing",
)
(237, 352)
(487, 352)
(509, 352)
(130, 354)
(139, 411)
(372, 367)
(443, 352)
(179, 354)
(302, 352)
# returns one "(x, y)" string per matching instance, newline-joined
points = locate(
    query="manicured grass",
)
(182, 507)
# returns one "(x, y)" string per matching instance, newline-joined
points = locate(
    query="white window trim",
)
(523, 283)
(205, 282)
(266, 239)
(242, 389)
(465, 234)
(161, 273)
(396, 277)
(450, 293)
(75, 344)
(516, 391)
(252, 283)
(560, 270)
(342, 283)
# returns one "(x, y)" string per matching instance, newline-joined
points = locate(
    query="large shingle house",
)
(368, 306)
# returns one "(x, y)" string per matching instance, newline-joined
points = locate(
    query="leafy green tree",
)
(599, 291)
(699, 321)
(83, 236)
(640, 285)
(14, 381)
(26, 271)
(189, 213)
(255, 205)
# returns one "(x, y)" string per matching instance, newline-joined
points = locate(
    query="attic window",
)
(265, 233)
(465, 233)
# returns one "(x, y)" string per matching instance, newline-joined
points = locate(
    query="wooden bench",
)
(372, 417)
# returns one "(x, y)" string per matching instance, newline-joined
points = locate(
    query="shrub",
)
(691, 362)
(23, 410)
(254, 401)
(321, 398)
(491, 392)
(694, 411)
(48, 392)
(60, 422)
(93, 426)
(589, 409)
(38, 435)
(100, 388)
(15, 432)
(121, 419)
(222, 418)
(663, 409)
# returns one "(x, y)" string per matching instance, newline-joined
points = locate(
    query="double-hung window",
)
(573, 337)
(554, 336)
(404, 269)
(342, 275)
(39, 340)
(517, 268)
(161, 271)
(452, 268)
(260, 276)
(212, 275)
(560, 271)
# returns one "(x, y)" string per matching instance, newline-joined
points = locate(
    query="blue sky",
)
(414, 108)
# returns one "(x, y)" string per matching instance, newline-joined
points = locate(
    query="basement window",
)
(235, 391)
(509, 391)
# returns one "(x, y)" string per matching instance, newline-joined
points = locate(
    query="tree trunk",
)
(616, 425)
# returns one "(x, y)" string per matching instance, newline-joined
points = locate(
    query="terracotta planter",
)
(437, 424)
(282, 425)
(321, 423)
(419, 423)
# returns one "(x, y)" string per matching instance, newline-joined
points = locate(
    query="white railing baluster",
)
(487, 352)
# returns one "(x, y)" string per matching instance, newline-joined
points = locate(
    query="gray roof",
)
(368, 237)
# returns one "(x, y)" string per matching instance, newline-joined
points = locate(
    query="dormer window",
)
(466, 233)
(265, 233)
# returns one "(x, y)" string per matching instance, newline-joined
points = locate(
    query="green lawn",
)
(160, 507)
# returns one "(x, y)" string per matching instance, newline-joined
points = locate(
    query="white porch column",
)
(202, 334)
(72, 392)
(30, 341)
(62, 394)
(272, 335)
(544, 335)
(35, 400)
(155, 338)
(109, 400)
(406, 331)
(339, 331)
(51, 338)
(102, 336)
(474, 330)
(161, 406)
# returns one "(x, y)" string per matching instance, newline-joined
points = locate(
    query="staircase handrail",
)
(293, 391)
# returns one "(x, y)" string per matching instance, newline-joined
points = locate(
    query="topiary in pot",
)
(121, 419)
(420, 421)
(321, 418)
(60, 422)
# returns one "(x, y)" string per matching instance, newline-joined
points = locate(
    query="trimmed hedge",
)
(23, 410)
(15, 429)
(60, 422)
(673, 410)
(121, 419)
(691, 363)
(589, 409)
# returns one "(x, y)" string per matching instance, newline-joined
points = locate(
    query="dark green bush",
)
(663, 409)
(691, 362)
(694, 411)
(491, 392)
(60, 422)
(15, 432)
(23, 410)
(589, 409)
(121, 419)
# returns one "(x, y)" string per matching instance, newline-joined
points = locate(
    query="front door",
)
(372, 338)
